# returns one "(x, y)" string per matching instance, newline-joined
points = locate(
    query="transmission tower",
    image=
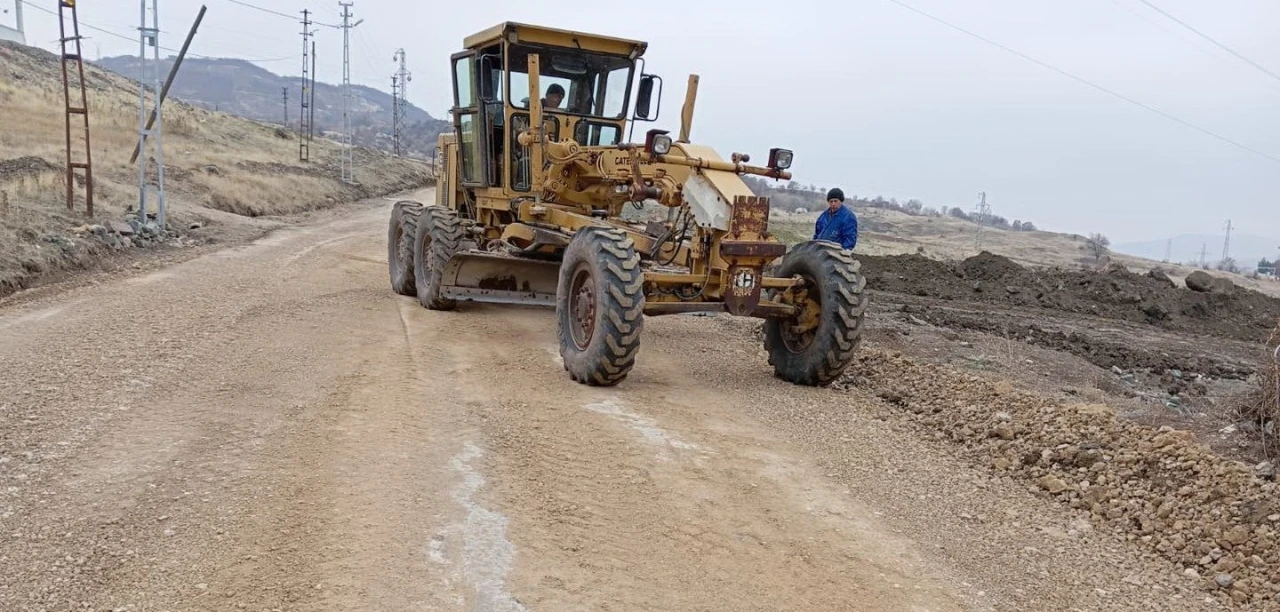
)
(72, 55)
(983, 210)
(150, 36)
(1204, 255)
(1168, 250)
(348, 161)
(304, 116)
(395, 114)
(399, 102)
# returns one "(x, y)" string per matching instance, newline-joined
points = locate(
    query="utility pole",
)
(1204, 255)
(304, 118)
(399, 102)
(348, 160)
(153, 131)
(285, 92)
(311, 102)
(1226, 243)
(1168, 250)
(73, 55)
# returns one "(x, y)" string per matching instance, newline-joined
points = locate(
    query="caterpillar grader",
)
(533, 186)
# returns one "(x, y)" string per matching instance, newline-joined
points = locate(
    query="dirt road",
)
(270, 428)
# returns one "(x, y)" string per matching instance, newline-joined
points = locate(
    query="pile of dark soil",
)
(1117, 293)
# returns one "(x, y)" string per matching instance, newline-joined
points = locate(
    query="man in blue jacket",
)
(837, 223)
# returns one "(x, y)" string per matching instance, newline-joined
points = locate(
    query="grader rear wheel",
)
(814, 347)
(599, 306)
(400, 234)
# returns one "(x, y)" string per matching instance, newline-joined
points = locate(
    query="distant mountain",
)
(1246, 249)
(243, 89)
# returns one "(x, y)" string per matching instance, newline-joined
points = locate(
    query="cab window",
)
(594, 84)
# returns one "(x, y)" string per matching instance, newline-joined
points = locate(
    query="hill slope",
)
(222, 173)
(246, 90)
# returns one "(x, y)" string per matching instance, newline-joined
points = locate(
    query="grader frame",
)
(530, 204)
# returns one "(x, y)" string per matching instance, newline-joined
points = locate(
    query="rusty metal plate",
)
(743, 248)
(742, 295)
(750, 216)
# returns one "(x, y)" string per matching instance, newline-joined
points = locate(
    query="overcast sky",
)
(878, 99)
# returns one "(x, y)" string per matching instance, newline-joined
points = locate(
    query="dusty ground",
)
(268, 427)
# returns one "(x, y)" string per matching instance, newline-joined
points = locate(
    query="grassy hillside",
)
(220, 169)
(240, 88)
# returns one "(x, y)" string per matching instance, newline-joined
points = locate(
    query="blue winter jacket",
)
(841, 227)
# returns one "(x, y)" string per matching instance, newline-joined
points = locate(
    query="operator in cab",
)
(837, 223)
(555, 95)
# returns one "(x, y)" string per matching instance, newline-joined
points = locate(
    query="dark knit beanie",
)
(835, 194)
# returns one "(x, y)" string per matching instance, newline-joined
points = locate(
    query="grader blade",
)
(481, 276)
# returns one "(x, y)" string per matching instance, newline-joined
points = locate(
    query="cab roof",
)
(534, 34)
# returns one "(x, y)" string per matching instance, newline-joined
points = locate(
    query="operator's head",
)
(835, 198)
(555, 94)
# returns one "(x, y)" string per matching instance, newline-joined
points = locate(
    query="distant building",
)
(15, 33)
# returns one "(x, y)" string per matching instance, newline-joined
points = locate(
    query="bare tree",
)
(1098, 244)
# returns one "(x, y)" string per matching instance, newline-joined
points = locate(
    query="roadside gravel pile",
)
(1161, 489)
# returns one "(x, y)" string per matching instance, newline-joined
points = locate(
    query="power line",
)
(1088, 83)
(131, 39)
(267, 10)
(1211, 39)
(1167, 30)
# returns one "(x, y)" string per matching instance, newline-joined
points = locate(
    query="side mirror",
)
(646, 107)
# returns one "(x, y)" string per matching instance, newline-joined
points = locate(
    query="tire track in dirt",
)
(610, 509)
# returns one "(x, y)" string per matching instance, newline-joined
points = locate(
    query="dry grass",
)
(1261, 405)
(212, 161)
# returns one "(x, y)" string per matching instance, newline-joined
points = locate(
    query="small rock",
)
(1237, 535)
(195, 226)
(1052, 484)
(966, 344)
(120, 227)
(1265, 470)
(1191, 572)
(1224, 580)
(1116, 370)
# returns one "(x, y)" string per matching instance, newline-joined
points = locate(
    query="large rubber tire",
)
(600, 306)
(834, 280)
(400, 233)
(435, 242)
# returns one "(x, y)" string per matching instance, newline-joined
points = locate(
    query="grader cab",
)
(532, 187)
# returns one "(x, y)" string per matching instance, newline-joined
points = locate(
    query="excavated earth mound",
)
(1228, 312)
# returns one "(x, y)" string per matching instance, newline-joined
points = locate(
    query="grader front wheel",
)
(599, 306)
(814, 347)
(435, 241)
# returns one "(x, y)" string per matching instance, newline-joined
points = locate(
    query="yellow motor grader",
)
(533, 187)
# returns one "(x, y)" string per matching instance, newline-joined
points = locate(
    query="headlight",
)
(661, 144)
(780, 158)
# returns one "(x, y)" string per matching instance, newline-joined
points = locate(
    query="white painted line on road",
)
(646, 426)
(486, 553)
